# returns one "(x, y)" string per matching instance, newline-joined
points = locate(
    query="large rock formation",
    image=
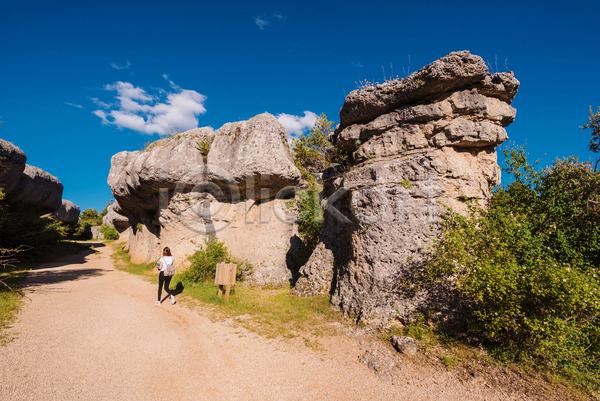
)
(114, 217)
(417, 144)
(174, 194)
(12, 165)
(36, 191)
(68, 213)
(255, 154)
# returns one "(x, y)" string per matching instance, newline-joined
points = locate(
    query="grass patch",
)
(273, 313)
(122, 261)
(269, 312)
(11, 302)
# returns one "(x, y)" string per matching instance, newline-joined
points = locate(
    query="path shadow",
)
(45, 277)
(75, 259)
(63, 269)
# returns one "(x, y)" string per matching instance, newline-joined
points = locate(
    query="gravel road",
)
(90, 332)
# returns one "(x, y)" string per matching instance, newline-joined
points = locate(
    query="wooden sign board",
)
(225, 276)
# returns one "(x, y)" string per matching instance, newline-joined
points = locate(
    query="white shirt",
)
(165, 260)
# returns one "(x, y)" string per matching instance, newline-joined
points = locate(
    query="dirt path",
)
(90, 332)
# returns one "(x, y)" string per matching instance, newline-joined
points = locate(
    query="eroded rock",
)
(115, 217)
(255, 154)
(405, 345)
(68, 213)
(418, 146)
(36, 191)
(458, 70)
(12, 165)
(176, 194)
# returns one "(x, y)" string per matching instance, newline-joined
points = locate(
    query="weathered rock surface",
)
(95, 233)
(12, 162)
(114, 217)
(172, 194)
(36, 191)
(136, 178)
(417, 145)
(458, 70)
(255, 153)
(405, 345)
(68, 213)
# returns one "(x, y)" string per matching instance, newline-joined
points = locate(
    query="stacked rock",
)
(417, 145)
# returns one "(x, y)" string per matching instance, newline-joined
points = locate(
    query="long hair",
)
(166, 251)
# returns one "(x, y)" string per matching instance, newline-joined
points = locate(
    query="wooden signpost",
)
(225, 276)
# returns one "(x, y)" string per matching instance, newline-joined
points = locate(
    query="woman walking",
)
(161, 265)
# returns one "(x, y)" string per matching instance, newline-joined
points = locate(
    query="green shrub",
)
(204, 263)
(313, 151)
(109, 232)
(204, 145)
(87, 218)
(310, 217)
(528, 266)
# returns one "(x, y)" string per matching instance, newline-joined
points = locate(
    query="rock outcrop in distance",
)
(68, 213)
(27, 188)
(200, 183)
(417, 144)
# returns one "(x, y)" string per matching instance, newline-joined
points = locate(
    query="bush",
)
(109, 232)
(310, 218)
(313, 151)
(528, 265)
(87, 218)
(204, 263)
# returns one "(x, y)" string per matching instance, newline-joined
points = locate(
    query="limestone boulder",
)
(12, 165)
(183, 189)
(255, 155)
(136, 178)
(457, 70)
(418, 146)
(36, 191)
(114, 217)
(68, 213)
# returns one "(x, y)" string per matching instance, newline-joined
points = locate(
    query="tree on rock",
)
(594, 124)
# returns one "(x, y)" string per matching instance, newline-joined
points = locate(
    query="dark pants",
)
(163, 279)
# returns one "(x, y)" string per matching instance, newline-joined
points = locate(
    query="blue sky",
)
(74, 74)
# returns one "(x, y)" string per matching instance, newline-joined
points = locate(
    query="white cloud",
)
(121, 67)
(295, 126)
(260, 22)
(100, 103)
(280, 17)
(176, 87)
(357, 64)
(137, 110)
(102, 115)
(74, 105)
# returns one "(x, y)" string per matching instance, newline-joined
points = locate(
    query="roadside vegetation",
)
(273, 312)
(26, 241)
(527, 269)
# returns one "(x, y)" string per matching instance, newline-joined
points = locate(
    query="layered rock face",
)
(36, 191)
(174, 194)
(417, 144)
